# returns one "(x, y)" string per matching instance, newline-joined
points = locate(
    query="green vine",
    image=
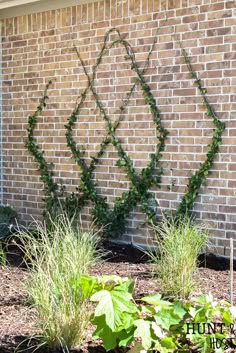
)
(200, 176)
(114, 219)
(45, 170)
(55, 198)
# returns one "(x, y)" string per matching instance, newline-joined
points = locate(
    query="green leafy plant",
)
(55, 197)
(7, 216)
(114, 219)
(56, 259)
(152, 323)
(176, 255)
(200, 176)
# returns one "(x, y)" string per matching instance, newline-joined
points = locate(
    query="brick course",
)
(39, 47)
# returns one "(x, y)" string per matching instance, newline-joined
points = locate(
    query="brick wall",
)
(38, 47)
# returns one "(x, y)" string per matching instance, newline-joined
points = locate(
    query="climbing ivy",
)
(45, 170)
(114, 219)
(55, 198)
(200, 176)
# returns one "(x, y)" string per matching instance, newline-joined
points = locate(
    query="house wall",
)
(39, 47)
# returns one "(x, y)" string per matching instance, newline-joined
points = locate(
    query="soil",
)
(17, 318)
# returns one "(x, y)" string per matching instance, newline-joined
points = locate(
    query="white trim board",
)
(12, 3)
(15, 8)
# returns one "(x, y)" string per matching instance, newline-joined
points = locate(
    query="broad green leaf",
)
(111, 278)
(103, 332)
(87, 285)
(111, 339)
(201, 299)
(178, 309)
(112, 304)
(226, 317)
(127, 285)
(192, 311)
(157, 330)
(146, 309)
(166, 318)
(143, 331)
(155, 299)
(127, 321)
(168, 342)
(125, 337)
(201, 314)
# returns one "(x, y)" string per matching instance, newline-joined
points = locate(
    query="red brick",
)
(39, 46)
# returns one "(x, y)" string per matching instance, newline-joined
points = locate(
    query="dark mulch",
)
(17, 319)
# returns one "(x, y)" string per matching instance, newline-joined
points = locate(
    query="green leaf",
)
(120, 163)
(201, 299)
(125, 337)
(113, 304)
(112, 278)
(178, 309)
(166, 318)
(155, 299)
(145, 309)
(168, 342)
(227, 318)
(87, 285)
(143, 331)
(127, 321)
(102, 331)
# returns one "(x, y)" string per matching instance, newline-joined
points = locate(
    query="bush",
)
(7, 216)
(56, 259)
(176, 258)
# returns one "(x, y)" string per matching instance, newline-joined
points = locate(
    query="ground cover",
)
(17, 319)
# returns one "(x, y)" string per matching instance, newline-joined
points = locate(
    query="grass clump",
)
(3, 256)
(176, 258)
(56, 259)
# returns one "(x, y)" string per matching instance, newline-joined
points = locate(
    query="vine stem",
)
(199, 177)
(140, 184)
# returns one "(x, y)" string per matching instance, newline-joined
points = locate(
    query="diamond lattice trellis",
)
(138, 193)
(140, 183)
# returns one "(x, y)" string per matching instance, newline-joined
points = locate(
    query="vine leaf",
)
(113, 304)
(143, 330)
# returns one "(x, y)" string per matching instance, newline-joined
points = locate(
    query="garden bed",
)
(17, 319)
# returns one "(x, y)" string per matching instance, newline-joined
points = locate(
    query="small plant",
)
(56, 260)
(154, 324)
(176, 258)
